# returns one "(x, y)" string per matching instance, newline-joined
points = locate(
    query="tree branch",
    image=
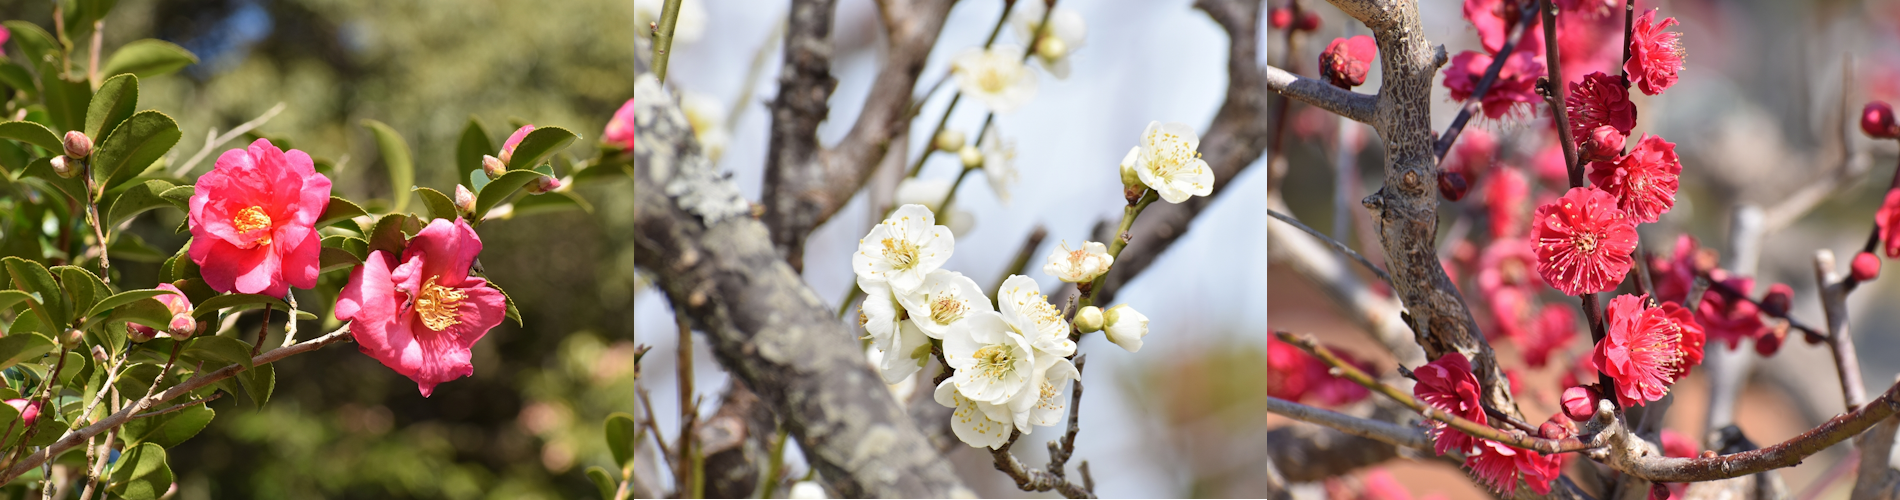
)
(1355, 106)
(1385, 432)
(1640, 458)
(1335, 244)
(1839, 341)
(766, 327)
(1378, 315)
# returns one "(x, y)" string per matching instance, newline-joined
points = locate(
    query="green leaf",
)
(336, 259)
(167, 430)
(620, 438)
(145, 311)
(19, 347)
(133, 248)
(402, 172)
(138, 199)
(602, 482)
(32, 277)
(439, 205)
(469, 151)
(10, 297)
(126, 297)
(83, 287)
(40, 47)
(115, 101)
(552, 202)
(15, 76)
(132, 146)
(180, 196)
(148, 58)
(66, 101)
(141, 473)
(535, 148)
(258, 383)
(500, 189)
(212, 305)
(74, 187)
(339, 210)
(388, 235)
(514, 314)
(218, 351)
(356, 247)
(138, 378)
(33, 133)
(74, 364)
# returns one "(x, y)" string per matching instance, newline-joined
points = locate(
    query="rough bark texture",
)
(737, 441)
(806, 183)
(1376, 314)
(718, 267)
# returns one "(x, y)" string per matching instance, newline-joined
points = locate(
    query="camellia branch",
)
(1386, 432)
(1362, 108)
(1335, 244)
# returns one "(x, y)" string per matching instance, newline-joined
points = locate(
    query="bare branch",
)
(1637, 457)
(1386, 432)
(1335, 244)
(1839, 340)
(1376, 314)
(1363, 108)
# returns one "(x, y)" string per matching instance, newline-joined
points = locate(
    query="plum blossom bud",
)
(1877, 121)
(970, 156)
(78, 145)
(1125, 327)
(1131, 178)
(1779, 297)
(182, 326)
(1580, 403)
(29, 410)
(65, 167)
(1866, 266)
(1770, 342)
(949, 140)
(1280, 17)
(1452, 185)
(493, 166)
(464, 199)
(1604, 143)
(1089, 319)
(1308, 22)
(72, 338)
(1345, 61)
(1558, 427)
(1051, 48)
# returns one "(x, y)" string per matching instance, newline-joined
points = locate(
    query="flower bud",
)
(1130, 178)
(29, 410)
(1280, 18)
(1877, 121)
(183, 326)
(1452, 185)
(949, 140)
(139, 334)
(72, 338)
(65, 167)
(1051, 48)
(99, 353)
(543, 185)
(464, 199)
(1604, 143)
(493, 166)
(1558, 427)
(1770, 342)
(78, 145)
(1779, 297)
(1580, 403)
(1866, 266)
(1345, 61)
(970, 156)
(1308, 22)
(1089, 319)
(1125, 327)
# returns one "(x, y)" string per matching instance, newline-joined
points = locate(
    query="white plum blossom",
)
(995, 76)
(946, 298)
(1126, 327)
(1167, 162)
(903, 347)
(707, 115)
(903, 389)
(1064, 35)
(1081, 265)
(927, 192)
(903, 249)
(1029, 313)
(969, 422)
(999, 162)
(992, 362)
(1049, 401)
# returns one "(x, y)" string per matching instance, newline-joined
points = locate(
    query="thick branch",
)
(1307, 453)
(1635, 457)
(1358, 107)
(766, 327)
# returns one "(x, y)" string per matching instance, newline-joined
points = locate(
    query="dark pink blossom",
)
(1583, 242)
(620, 128)
(1647, 349)
(1655, 55)
(1505, 200)
(1727, 319)
(420, 315)
(1448, 384)
(1345, 60)
(253, 220)
(1644, 181)
(1514, 91)
(1597, 101)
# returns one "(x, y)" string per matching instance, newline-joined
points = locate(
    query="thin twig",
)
(1029, 479)
(1385, 432)
(1335, 244)
(1839, 340)
(1061, 449)
(663, 37)
(213, 140)
(1476, 100)
(181, 406)
(689, 413)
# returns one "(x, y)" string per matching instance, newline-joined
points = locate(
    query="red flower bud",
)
(1866, 266)
(29, 411)
(1779, 297)
(1877, 121)
(1603, 144)
(1345, 61)
(1308, 22)
(1452, 185)
(1770, 342)
(1580, 402)
(1280, 17)
(1558, 427)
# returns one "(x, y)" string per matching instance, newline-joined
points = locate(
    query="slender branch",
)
(1363, 108)
(1731, 293)
(1335, 244)
(213, 140)
(1554, 93)
(1033, 479)
(1840, 342)
(663, 37)
(181, 406)
(1061, 449)
(1378, 315)
(689, 412)
(1475, 102)
(1634, 459)
(1385, 432)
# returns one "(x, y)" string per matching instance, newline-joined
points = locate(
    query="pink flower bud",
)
(1877, 120)
(139, 334)
(1866, 266)
(1345, 61)
(72, 338)
(78, 145)
(1558, 427)
(29, 410)
(1580, 402)
(544, 185)
(1770, 342)
(514, 139)
(493, 167)
(183, 326)
(1603, 143)
(65, 167)
(464, 199)
(1452, 185)
(1280, 17)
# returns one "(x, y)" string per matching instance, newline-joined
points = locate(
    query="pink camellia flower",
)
(1647, 349)
(1655, 55)
(253, 220)
(182, 324)
(4, 35)
(1583, 242)
(620, 128)
(1345, 61)
(421, 314)
(1643, 181)
(29, 411)
(514, 139)
(1729, 319)
(1514, 90)
(1504, 200)
(1888, 220)
(1448, 385)
(1596, 101)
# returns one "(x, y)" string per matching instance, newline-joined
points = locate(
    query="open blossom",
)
(892, 333)
(1596, 101)
(420, 314)
(1345, 61)
(946, 298)
(1081, 265)
(970, 421)
(1065, 34)
(1643, 181)
(1500, 466)
(1655, 55)
(182, 324)
(253, 220)
(1887, 219)
(1648, 348)
(1583, 241)
(1472, 155)
(904, 249)
(1556, 327)
(1730, 319)
(1675, 277)
(620, 128)
(1028, 312)
(1515, 88)
(993, 362)
(1447, 384)
(1049, 401)
(1167, 161)
(1494, 18)
(995, 76)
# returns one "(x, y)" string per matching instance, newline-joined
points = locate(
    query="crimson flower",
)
(620, 128)
(1507, 263)
(1866, 266)
(1648, 348)
(1675, 277)
(253, 220)
(1556, 327)
(1286, 370)
(1345, 61)
(1729, 319)
(1596, 101)
(1583, 241)
(421, 314)
(1888, 220)
(1515, 88)
(1644, 181)
(1499, 466)
(1655, 55)
(1504, 200)
(1447, 384)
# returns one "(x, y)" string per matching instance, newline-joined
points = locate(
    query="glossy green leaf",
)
(66, 101)
(82, 287)
(167, 430)
(402, 171)
(602, 482)
(336, 259)
(132, 146)
(131, 247)
(141, 473)
(620, 438)
(74, 188)
(145, 311)
(389, 234)
(356, 247)
(258, 383)
(38, 45)
(500, 189)
(179, 196)
(115, 101)
(535, 148)
(20, 347)
(477, 179)
(339, 210)
(137, 379)
(16, 77)
(32, 277)
(148, 58)
(69, 369)
(138, 199)
(9, 298)
(470, 149)
(33, 133)
(514, 314)
(123, 298)
(218, 351)
(439, 205)
(212, 305)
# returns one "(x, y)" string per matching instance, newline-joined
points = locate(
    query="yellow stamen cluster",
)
(901, 252)
(436, 305)
(252, 218)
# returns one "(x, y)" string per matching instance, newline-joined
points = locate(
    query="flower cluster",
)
(1448, 384)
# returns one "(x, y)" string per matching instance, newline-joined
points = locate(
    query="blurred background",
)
(1767, 104)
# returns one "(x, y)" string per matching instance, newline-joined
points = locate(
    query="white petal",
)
(910, 348)
(971, 425)
(1133, 159)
